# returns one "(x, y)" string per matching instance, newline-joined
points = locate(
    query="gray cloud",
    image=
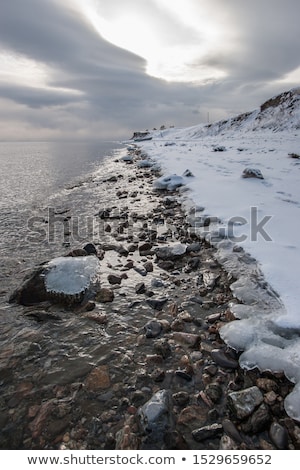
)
(110, 94)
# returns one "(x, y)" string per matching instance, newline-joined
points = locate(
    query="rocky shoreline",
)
(171, 383)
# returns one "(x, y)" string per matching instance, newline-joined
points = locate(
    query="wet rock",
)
(252, 173)
(210, 279)
(152, 329)
(267, 384)
(78, 252)
(145, 249)
(181, 398)
(244, 402)
(207, 432)
(157, 304)
(98, 379)
(162, 347)
(90, 249)
(156, 419)
(158, 375)
(231, 431)
(65, 280)
(189, 339)
(127, 438)
(193, 264)
(223, 359)
(214, 392)
(38, 424)
(166, 265)
(140, 288)
(172, 252)
(148, 265)
(192, 416)
(114, 279)
(258, 421)
(183, 375)
(279, 436)
(104, 295)
(141, 271)
(193, 247)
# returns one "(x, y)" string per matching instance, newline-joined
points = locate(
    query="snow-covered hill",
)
(258, 216)
(282, 112)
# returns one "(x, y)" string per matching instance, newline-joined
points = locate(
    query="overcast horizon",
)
(90, 69)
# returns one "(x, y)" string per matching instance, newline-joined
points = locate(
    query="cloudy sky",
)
(86, 69)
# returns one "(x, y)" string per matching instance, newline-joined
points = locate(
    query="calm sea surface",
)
(32, 171)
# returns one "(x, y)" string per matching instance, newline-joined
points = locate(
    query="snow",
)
(255, 222)
(71, 276)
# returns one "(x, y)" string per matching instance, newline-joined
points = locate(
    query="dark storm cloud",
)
(93, 85)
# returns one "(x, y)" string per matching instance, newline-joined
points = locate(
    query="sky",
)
(98, 69)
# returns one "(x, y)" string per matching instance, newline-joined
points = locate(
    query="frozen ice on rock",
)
(71, 276)
(169, 182)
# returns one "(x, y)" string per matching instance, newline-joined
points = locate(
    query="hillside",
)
(279, 113)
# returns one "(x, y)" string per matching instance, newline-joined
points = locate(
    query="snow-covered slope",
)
(258, 216)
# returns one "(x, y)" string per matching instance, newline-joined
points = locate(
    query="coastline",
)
(163, 322)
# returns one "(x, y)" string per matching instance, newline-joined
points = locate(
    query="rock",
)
(157, 304)
(78, 252)
(162, 347)
(98, 379)
(252, 173)
(207, 432)
(231, 431)
(140, 288)
(279, 436)
(127, 438)
(193, 248)
(181, 398)
(192, 416)
(114, 279)
(104, 295)
(63, 280)
(188, 174)
(183, 375)
(224, 360)
(244, 402)
(171, 252)
(152, 329)
(148, 266)
(145, 249)
(90, 249)
(214, 392)
(156, 420)
(266, 384)
(169, 182)
(189, 339)
(193, 264)
(158, 375)
(209, 279)
(258, 421)
(166, 265)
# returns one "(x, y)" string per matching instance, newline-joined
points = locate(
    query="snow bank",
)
(256, 223)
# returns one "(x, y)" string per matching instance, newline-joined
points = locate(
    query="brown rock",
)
(104, 295)
(187, 338)
(98, 379)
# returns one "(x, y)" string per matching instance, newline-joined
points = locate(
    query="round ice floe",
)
(71, 276)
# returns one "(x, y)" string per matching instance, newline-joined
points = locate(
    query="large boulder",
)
(62, 280)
